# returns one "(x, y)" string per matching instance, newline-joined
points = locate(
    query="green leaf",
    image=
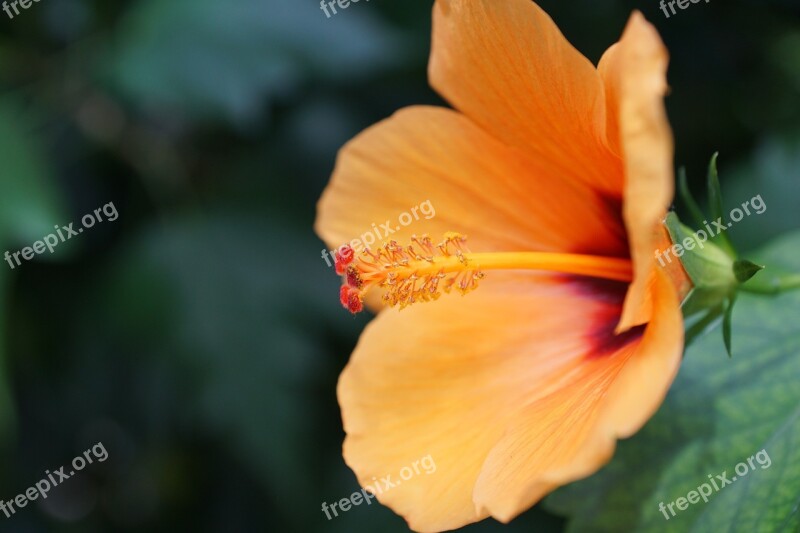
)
(744, 270)
(714, 189)
(689, 202)
(726, 324)
(696, 327)
(209, 59)
(715, 206)
(719, 413)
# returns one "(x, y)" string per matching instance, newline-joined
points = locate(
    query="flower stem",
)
(772, 285)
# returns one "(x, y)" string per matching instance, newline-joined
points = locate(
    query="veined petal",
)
(571, 433)
(421, 383)
(634, 71)
(496, 195)
(506, 65)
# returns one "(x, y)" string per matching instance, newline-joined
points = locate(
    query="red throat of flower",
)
(422, 271)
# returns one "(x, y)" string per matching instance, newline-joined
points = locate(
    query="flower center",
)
(421, 271)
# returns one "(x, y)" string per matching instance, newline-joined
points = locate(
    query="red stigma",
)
(350, 299)
(343, 257)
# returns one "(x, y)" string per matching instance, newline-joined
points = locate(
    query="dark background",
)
(199, 336)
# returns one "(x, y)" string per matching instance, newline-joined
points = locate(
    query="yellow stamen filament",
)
(422, 270)
(586, 265)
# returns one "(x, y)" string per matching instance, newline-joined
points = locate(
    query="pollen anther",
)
(422, 270)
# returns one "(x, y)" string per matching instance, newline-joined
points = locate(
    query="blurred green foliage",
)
(198, 336)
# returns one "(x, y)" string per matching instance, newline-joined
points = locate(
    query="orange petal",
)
(634, 72)
(572, 432)
(507, 66)
(454, 381)
(649, 373)
(475, 185)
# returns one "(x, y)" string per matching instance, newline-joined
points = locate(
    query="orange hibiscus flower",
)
(560, 174)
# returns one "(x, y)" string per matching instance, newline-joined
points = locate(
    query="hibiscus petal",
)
(570, 433)
(634, 71)
(421, 382)
(497, 196)
(506, 65)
